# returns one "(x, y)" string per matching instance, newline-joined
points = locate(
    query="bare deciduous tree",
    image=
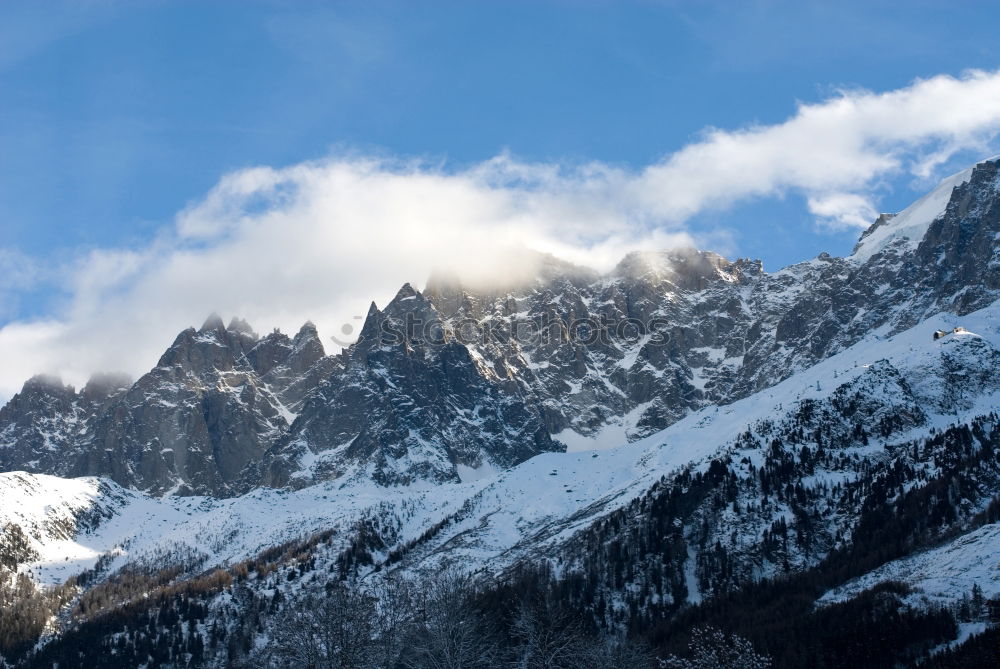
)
(711, 648)
(547, 636)
(331, 632)
(396, 601)
(447, 631)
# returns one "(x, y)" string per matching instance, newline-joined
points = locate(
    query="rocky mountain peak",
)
(308, 329)
(405, 292)
(974, 195)
(370, 329)
(212, 323)
(685, 268)
(269, 352)
(958, 250)
(42, 394)
(46, 383)
(307, 348)
(880, 222)
(239, 325)
(38, 425)
(212, 348)
(103, 385)
(749, 267)
(409, 318)
(407, 300)
(902, 232)
(200, 352)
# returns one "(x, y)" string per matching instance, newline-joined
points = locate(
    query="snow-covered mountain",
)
(458, 378)
(859, 406)
(664, 433)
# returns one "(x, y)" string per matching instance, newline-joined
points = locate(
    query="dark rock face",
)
(404, 404)
(191, 425)
(462, 376)
(591, 351)
(959, 256)
(41, 424)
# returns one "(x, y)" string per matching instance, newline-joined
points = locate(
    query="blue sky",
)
(116, 116)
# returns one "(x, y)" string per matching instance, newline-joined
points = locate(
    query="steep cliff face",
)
(461, 378)
(43, 426)
(405, 403)
(213, 403)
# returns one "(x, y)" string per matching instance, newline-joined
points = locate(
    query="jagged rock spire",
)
(213, 322)
(104, 384)
(239, 325)
(307, 348)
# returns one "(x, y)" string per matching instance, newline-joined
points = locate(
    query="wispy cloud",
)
(834, 152)
(18, 273)
(320, 239)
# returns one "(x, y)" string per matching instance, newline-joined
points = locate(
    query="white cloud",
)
(319, 240)
(842, 210)
(832, 149)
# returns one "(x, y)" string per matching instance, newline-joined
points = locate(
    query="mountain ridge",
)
(571, 352)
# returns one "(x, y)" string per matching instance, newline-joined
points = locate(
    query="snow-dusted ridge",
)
(497, 519)
(942, 575)
(908, 227)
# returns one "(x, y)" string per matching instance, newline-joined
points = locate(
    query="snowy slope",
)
(943, 575)
(545, 500)
(71, 522)
(907, 228)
